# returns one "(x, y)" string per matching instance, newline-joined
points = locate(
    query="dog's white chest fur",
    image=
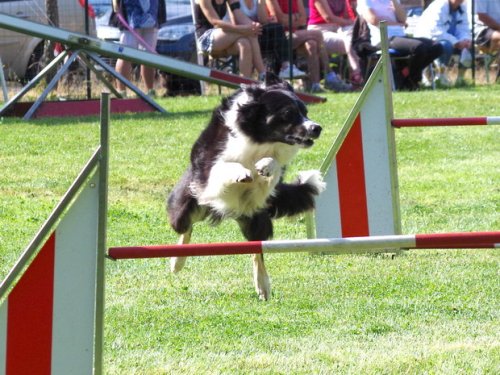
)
(244, 176)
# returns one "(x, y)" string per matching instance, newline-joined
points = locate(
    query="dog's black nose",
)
(315, 130)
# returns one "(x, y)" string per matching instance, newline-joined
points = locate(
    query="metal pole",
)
(101, 239)
(87, 32)
(4, 85)
(473, 49)
(290, 39)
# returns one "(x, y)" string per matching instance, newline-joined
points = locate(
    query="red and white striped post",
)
(468, 240)
(47, 320)
(362, 197)
(52, 299)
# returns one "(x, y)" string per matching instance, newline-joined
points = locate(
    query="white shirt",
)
(383, 9)
(435, 21)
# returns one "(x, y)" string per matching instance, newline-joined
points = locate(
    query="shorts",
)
(150, 36)
(483, 39)
(336, 39)
(206, 41)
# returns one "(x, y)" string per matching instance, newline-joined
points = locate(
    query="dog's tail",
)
(298, 197)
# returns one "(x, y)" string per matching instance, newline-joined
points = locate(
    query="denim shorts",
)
(206, 41)
(150, 36)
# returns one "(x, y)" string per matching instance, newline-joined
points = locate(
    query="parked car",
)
(21, 53)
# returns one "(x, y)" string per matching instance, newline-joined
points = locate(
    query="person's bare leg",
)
(313, 61)
(258, 62)
(495, 41)
(124, 68)
(148, 75)
(232, 44)
(246, 60)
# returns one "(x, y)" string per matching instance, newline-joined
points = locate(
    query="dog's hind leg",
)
(177, 263)
(258, 228)
(183, 211)
(261, 278)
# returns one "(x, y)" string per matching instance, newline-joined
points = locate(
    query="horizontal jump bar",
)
(467, 240)
(458, 121)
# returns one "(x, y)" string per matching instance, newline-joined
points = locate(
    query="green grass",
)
(424, 312)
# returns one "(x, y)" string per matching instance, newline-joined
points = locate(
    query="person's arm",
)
(327, 14)
(282, 17)
(489, 21)
(302, 15)
(237, 17)
(262, 15)
(371, 16)
(400, 11)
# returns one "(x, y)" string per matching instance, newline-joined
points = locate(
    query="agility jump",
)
(60, 276)
(360, 169)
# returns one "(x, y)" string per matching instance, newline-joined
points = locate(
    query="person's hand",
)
(254, 28)
(463, 44)
(346, 22)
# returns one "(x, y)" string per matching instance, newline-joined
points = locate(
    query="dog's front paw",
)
(244, 176)
(232, 173)
(267, 167)
(314, 179)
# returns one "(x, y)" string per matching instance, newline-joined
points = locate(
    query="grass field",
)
(424, 312)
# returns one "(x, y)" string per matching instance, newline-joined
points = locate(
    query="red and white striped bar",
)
(458, 121)
(349, 245)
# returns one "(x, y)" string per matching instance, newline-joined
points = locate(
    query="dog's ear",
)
(272, 79)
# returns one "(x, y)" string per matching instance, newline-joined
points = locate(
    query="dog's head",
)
(273, 113)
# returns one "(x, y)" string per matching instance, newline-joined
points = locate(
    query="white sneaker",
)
(296, 72)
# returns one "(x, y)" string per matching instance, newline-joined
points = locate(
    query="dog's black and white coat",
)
(237, 166)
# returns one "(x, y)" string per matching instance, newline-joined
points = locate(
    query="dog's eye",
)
(286, 114)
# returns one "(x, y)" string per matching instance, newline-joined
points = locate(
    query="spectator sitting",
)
(273, 41)
(487, 27)
(239, 36)
(307, 42)
(446, 22)
(335, 19)
(421, 51)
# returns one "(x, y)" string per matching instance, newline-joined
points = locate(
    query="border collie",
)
(237, 167)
